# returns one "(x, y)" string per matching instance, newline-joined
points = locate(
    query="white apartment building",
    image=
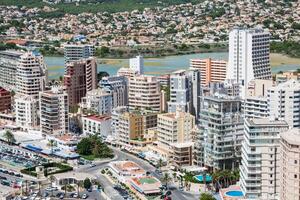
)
(220, 133)
(137, 64)
(96, 125)
(185, 91)
(98, 100)
(54, 111)
(115, 116)
(73, 52)
(26, 111)
(259, 171)
(9, 61)
(249, 51)
(284, 102)
(118, 88)
(144, 93)
(289, 165)
(31, 74)
(256, 103)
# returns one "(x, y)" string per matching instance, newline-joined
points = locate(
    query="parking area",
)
(19, 157)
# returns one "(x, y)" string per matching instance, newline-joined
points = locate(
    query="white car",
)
(84, 196)
(75, 195)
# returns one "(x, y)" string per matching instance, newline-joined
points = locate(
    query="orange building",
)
(210, 70)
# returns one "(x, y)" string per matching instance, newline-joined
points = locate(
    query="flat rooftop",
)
(292, 136)
(128, 166)
(146, 184)
(266, 122)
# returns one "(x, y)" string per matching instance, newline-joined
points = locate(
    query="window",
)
(295, 176)
(295, 162)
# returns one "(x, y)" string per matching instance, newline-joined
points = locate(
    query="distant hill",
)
(98, 5)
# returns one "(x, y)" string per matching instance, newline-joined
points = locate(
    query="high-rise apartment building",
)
(289, 165)
(249, 51)
(31, 74)
(9, 60)
(97, 101)
(54, 111)
(284, 102)
(210, 70)
(259, 171)
(80, 77)
(118, 87)
(74, 52)
(174, 137)
(220, 132)
(23, 72)
(137, 64)
(26, 111)
(185, 91)
(144, 93)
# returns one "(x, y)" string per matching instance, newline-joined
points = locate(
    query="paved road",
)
(109, 190)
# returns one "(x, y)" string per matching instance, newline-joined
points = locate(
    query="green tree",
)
(84, 147)
(87, 183)
(166, 179)
(206, 196)
(9, 136)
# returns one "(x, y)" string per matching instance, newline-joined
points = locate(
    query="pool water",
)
(200, 178)
(235, 193)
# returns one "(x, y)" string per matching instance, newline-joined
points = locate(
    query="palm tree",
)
(79, 184)
(52, 179)
(166, 179)
(9, 136)
(51, 144)
(160, 164)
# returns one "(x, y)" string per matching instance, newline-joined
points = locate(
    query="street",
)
(112, 193)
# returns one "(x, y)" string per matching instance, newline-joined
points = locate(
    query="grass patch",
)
(88, 157)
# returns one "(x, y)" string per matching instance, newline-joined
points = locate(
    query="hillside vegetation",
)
(95, 6)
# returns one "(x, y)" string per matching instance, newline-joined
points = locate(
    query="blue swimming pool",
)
(200, 178)
(234, 193)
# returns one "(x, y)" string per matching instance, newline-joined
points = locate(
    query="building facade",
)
(97, 101)
(137, 64)
(74, 52)
(220, 132)
(284, 102)
(118, 88)
(259, 171)
(144, 93)
(289, 165)
(31, 74)
(249, 51)
(80, 77)
(210, 70)
(5, 100)
(96, 125)
(26, 108)
(9, 60)
(54, 111)
(174, 137)
(185, 91)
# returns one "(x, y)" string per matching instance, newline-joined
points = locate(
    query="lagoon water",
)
(153, 66)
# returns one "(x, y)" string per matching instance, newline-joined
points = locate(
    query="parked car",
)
(85, 196)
